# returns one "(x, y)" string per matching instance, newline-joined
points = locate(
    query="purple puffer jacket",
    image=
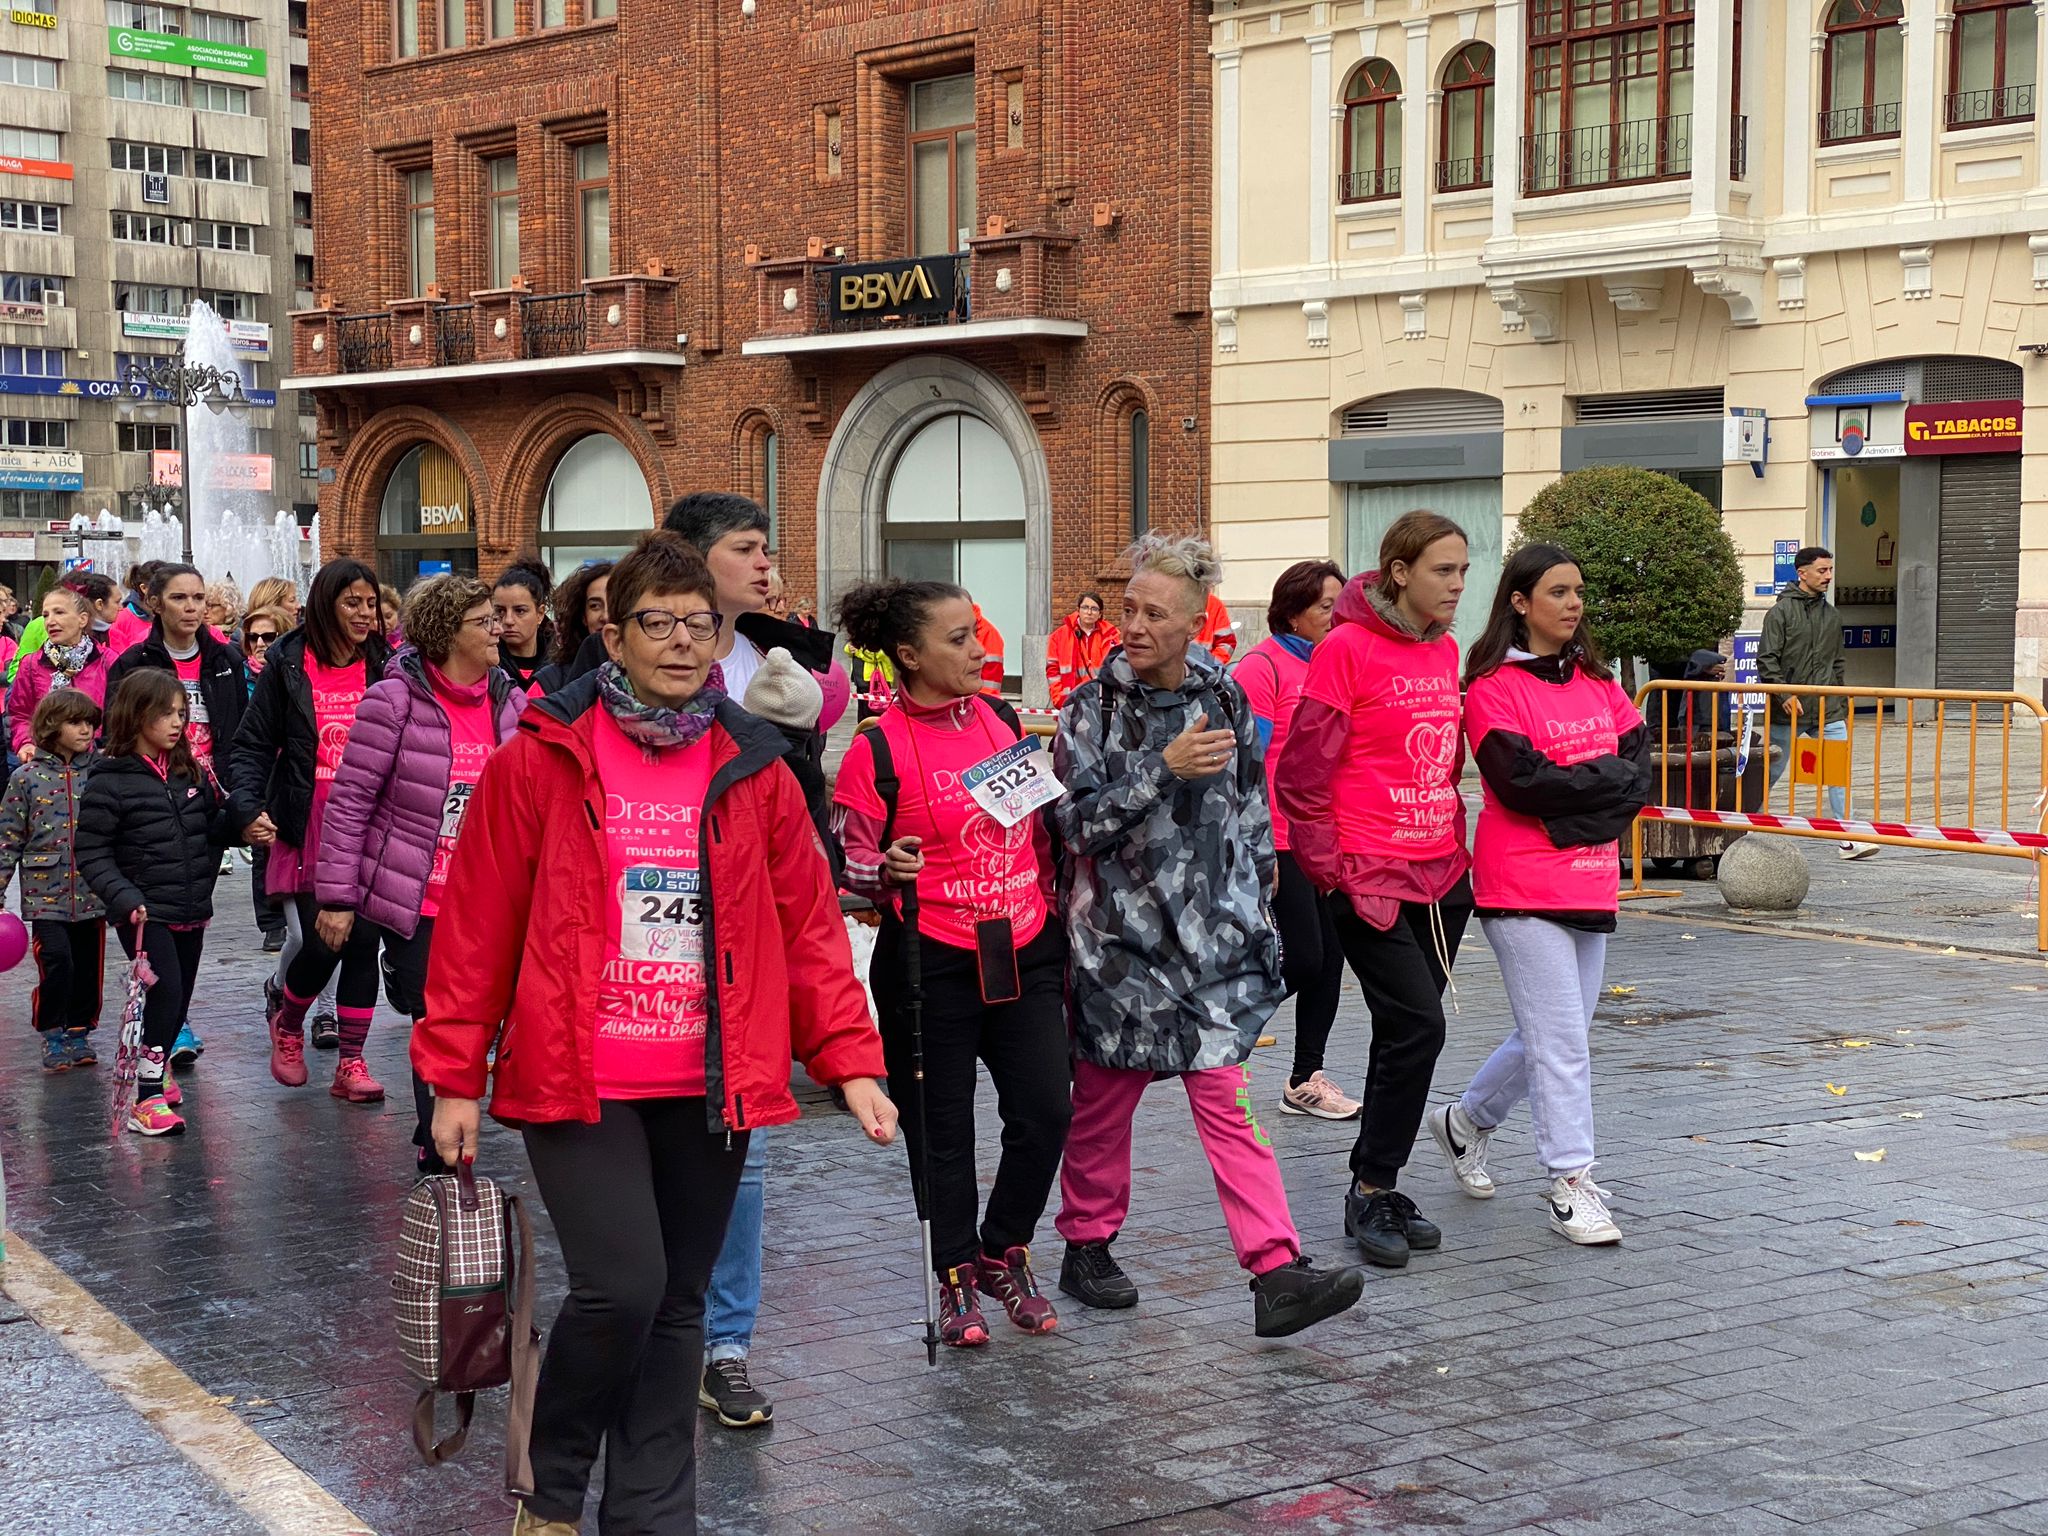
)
(384, 808)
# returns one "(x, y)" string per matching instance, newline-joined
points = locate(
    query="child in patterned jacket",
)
(38, 819)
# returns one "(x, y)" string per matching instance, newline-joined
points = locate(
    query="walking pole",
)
(914, 990)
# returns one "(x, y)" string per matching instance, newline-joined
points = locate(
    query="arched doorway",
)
(426, 522)
(954, 511)
(597, 503)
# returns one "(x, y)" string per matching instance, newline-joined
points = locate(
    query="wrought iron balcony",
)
(1465, 175)
(1846, 125)
(1969, 109)
(551, 325)
(1608, 154)
(362, 343)
(454, 335)
(1374, 186)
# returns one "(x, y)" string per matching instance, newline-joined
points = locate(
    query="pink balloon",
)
(13, 941)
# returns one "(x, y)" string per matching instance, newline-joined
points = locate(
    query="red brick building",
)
(928, 277)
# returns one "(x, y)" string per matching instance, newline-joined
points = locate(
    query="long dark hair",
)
(144, 694)
(1505, 628)
(570, 630)
(526, 572)
(325, 637)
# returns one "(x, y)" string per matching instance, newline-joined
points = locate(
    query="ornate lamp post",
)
(186, 384)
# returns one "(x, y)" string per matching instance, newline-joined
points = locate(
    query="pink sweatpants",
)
(1095, 1179)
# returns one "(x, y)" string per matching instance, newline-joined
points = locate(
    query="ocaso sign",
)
(1964, 426)
(927, 286)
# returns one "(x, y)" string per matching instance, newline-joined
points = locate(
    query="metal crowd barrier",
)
(1715, 769)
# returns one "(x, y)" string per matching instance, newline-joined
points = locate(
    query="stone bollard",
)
(1764, 874)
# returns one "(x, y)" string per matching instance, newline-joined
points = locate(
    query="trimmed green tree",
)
(1662, 577)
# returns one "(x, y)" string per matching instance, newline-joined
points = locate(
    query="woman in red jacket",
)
(1076, 650)
(639, 920)
(1369, 786)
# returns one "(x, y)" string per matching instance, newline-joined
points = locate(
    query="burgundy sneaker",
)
(960, 1321)
(1011, 1282)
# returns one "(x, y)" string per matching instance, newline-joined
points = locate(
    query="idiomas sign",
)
(928, 286)
(192, 52)
(1964, 426)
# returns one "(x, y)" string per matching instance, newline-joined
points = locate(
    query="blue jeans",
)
(1781, 758)
(734, 1299)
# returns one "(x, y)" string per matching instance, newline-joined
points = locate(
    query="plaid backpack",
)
(465, 1311)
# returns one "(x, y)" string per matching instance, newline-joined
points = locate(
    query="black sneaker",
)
(1386, 1226)
(1091, 1275)
(326, 1031)
(727, 1392)
(1294, 1296)
(273, 941)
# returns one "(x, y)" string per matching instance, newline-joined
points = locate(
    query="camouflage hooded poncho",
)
(1175, 967)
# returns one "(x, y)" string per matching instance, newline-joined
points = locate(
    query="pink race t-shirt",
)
(1272, 678)
(1395, 795)
(198, 724)
(337, 693)
(652, 1001)
(974, 867)
(1515, 867)
(472, 734)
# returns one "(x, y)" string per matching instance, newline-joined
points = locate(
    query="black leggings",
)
(174, 956)
(1311, 963)
(640, 1202)
(1025, 1046)
(405, 985)
(1403, 980)
(315, 962)
(70, 958)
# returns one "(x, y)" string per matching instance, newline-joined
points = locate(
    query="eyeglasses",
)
(487, 621)
(659, 623)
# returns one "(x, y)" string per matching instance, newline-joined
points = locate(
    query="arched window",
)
(1141, 472)
(1372, 133)
(1862, 71)
(426, 523)
(1991, 61)
(1466, 149)
(597, 504)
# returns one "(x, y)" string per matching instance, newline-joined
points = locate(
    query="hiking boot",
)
(326, 1032)
(1578, 1210)
(1317, 1095)
(961, 1324)
(352, 1081)
(153, 1117)
(1011, 1282)
(1091, 1275)
(57, 1055)
(1464, 1147)
(1294, 1296)
(527, 1523)
(287, 1056)
(727, 1392)
(1387, 1227)
(188, 1049)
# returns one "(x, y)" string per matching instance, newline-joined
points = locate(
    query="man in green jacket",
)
(1802, 644)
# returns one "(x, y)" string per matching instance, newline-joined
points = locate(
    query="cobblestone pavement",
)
(1790, 1337)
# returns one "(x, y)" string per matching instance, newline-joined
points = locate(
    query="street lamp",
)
(186, 384)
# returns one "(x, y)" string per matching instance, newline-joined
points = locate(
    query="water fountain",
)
(237, 530)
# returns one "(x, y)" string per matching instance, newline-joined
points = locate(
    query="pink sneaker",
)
(288, 1056)
(153, 1117)
(1317, 1095)
(1011, 1282)
(352, 1081)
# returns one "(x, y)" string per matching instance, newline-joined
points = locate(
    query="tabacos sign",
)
(1964, 426)
(877, 290)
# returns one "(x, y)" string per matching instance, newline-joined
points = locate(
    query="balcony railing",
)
(1370, 186)
(1738, 149)
(551, 324)
(363, 342)
(1968, 109)
(454, 335)
(1608, 154)
(1467, 175)
(1845, 125)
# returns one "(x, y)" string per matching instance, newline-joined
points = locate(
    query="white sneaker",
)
(1578, 1210)
(1464, 1147)
(1317, 1095)
(1861, 850)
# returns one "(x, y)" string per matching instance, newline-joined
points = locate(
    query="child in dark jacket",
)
(38, 821)
(150, 831)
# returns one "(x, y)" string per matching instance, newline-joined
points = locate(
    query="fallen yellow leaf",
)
(1912, 1114)
(1854, 1045)
(1269, 1039)
(1871, 1157)
(1950, 950)
(1836, 1089)
(1621, 991)
(1443, 1370)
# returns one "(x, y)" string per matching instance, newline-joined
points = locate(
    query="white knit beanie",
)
(783, 693)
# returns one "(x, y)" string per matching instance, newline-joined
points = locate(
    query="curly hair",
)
(228, 597)
(432, 615)
(1190, 559)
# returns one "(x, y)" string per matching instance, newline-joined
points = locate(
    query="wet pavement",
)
(1790, 1336)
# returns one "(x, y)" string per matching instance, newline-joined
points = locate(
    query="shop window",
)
(597, 504)
(594, 209)
(1991, 63)
(502, 181)
(942, 171)
(1467, 132)
(1372, 133)
(1610, 93)
(419, 221)
(427, 521)
(1862, 71)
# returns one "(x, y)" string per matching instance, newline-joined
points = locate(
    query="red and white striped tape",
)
(1849, 829)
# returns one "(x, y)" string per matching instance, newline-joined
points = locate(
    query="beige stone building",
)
(1462, 246)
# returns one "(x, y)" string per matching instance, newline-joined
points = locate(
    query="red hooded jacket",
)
(1071, 658)
(521, 939)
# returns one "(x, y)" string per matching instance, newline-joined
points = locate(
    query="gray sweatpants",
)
(1552, 974)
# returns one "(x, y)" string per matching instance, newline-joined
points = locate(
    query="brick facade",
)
(743, 150)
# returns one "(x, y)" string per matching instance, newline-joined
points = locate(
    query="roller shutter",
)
(1978, 579)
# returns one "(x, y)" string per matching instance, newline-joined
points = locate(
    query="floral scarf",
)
(651, 725)
(67, 661)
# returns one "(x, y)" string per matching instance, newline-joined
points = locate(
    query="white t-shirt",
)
(745, 659)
